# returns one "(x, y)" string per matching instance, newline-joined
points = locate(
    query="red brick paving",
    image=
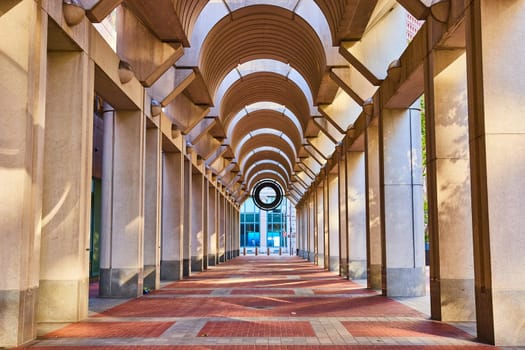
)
(258, 278)
(344, 291)
(259, 291)
(268, 347)
(257, 329)
(181, 291)
(111, 330)
(421, 328)
(259, 306)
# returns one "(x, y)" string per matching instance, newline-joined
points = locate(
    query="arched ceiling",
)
(262, 31)
(255, 78)
(263, 66)
(265, 86)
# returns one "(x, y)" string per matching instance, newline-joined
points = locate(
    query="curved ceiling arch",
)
(264, 175)
(265, 86)
(264, 65)
(261, 141)
(263, 154)
(265, 131)
(242, 135)
(215, 11)
(267, 164)
(245, 35)
(253, 109)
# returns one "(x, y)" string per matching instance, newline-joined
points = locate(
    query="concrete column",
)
(227, 229)
(212, 226)
(206, 218)
(356, 189)
(221, 216)
(263, 229)
(319, 237)
(122, 246)
(495, 72)
(326, 223)
(197, 221)
(343, 211)
(64, 283)
(172, 215)
(373, 207)
(402, 202)
(333, 220)
(312, 227)
(22, 110)
(188, 212)
(448, 175)
(152, 207)
(299, 234)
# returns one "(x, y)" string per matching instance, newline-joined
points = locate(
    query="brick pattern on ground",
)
(258, 303)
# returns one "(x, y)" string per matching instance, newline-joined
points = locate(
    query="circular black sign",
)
(267, 194)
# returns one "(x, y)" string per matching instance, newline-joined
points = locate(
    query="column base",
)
(196, 263)
(170, 270)
(334, 264)
(121, 283)
(222, 258)
(18, 319)
(63, 301)
(505, 327)
(311, 256)
(357, 269)
(374, 277)
(150, 276)
(320, 260)
(406, 282)
(186, 271)
(454, 298)
(212, 260)
(343, 268)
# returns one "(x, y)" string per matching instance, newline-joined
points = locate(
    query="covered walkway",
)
(258, 303)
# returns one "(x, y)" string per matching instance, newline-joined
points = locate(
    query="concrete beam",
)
(359, 66)
(149, 56)
(171, 84)
(185, 114)
(416, 8)
(160, 17)
(6, 5)
(97, 10)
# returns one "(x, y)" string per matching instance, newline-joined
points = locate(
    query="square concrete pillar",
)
(197, 221)
(373, 207)
(121, 246)
(319, 248)
(23, 33)
(357, 261)
(343, 211)
(312, 227)
(221, 228)
(152, 207)
(188, 212)
(402, 202)
(64, 251)
(448, 175)
(333, 220)
(212, 226)
(495, 70)
(205, 224)
(173, 205)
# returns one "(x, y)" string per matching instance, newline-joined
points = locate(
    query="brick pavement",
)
(257, 303)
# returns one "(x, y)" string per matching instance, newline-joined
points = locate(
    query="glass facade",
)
(261, 228)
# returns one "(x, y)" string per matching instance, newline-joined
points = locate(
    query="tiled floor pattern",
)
(258, 303)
